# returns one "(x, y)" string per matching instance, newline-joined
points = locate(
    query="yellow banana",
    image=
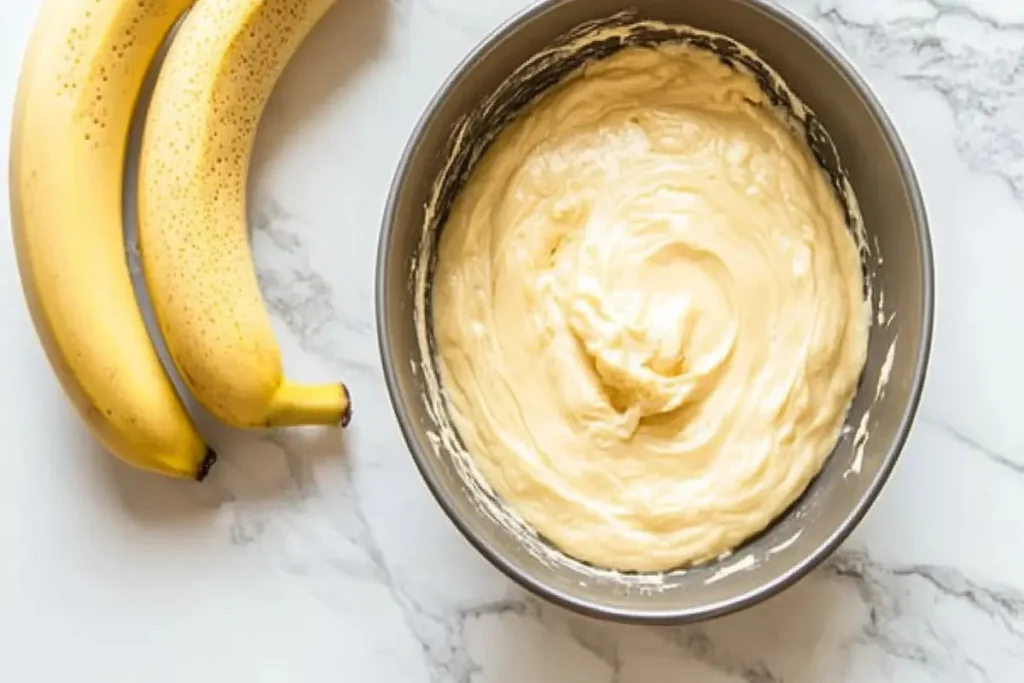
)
(213, 85)
(82, 74)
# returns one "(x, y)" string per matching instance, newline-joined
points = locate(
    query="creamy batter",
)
(649, 313)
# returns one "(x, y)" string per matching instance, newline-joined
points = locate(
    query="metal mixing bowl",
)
(477, 100)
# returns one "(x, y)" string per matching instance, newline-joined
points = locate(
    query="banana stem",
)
(310, 404)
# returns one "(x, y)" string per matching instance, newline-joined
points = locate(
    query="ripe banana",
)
(214, 83)
(82, 74)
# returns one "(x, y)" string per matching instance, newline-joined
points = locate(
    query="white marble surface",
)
(312, 557)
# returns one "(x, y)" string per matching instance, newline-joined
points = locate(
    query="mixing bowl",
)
(501, 77)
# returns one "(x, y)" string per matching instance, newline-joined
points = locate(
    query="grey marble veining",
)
(319, 555)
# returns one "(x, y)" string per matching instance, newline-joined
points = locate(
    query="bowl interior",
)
(540, 47)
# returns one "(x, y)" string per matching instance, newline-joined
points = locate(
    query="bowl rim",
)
(509, 567)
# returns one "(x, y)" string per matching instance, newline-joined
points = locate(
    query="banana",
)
(200, 129)
(82, 74)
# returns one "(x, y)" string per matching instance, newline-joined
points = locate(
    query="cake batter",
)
(648, 310)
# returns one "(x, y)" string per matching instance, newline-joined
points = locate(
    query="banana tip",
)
(204, 467)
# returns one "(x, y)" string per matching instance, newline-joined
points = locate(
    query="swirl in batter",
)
(648, 310)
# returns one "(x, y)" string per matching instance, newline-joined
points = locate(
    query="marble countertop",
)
(311, 558)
